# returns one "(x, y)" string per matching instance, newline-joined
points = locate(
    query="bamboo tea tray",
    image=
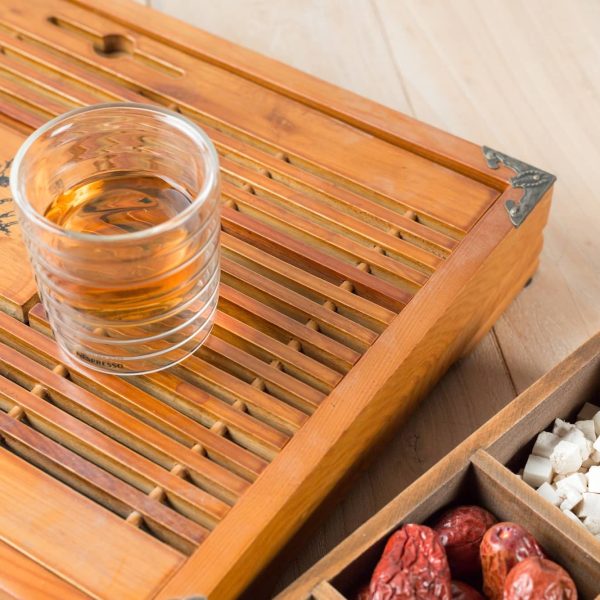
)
(363, 252)
(481, 471)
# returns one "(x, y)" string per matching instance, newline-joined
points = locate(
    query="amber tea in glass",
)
(119, 206)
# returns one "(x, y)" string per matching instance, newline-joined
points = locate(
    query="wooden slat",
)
(127, 395)
(325, 591)
(129, 398)
(51, 80)
(326, 240)
(294, 362)
(262, 316)
(382, 216)
(225, 389)
(120, 425)
(209, 410)
(182, 534)
(34, 88)
(315, 288)
(113, 457)
(75, 538)
(20, 112)
(290, 302)
(172, 422)
(350, 227)
(24, 578)
(40, 105)
(252, 433)
(249, 367)
(261, 405)
(23, 46)
(314, 261)
(195, 402)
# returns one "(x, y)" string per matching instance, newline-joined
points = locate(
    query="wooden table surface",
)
(521, 76)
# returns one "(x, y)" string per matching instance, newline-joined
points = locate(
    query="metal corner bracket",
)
(534, 182)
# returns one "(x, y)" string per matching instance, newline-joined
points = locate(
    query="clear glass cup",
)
(119, 208)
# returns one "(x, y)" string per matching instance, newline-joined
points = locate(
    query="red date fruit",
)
(539, 579)
(413, 566)
(461, 531)
(503, 546)
(462, 591)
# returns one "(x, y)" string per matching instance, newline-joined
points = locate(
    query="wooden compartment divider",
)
(362, 252)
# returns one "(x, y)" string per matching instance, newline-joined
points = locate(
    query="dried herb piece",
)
(539, 579)
(503, 546)
(461, 531)
(413, 566)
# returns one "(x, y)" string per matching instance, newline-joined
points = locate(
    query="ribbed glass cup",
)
(130, 302)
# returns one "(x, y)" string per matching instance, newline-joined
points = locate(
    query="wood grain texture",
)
(280, 31)
(60, 519)
(24, 578)
(542, 103)
(521, 76)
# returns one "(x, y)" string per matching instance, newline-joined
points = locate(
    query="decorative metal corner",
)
(534, 182)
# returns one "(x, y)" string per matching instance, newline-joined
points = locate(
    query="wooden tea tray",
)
(363, 252)
(481, 471)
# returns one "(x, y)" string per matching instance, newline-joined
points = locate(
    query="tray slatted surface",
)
(329, 232)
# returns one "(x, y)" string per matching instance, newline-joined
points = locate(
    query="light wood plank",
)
(541, 105)
(24, 578)
(74, 537)
(281, 32)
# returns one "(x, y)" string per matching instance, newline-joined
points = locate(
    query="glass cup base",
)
(137, 366)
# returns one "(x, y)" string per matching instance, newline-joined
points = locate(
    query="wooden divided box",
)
(481, 471)
(362, 253)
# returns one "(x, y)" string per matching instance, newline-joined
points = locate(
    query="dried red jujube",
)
(503, 546)
(413, 566)
(539, 579)
(461, 530)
